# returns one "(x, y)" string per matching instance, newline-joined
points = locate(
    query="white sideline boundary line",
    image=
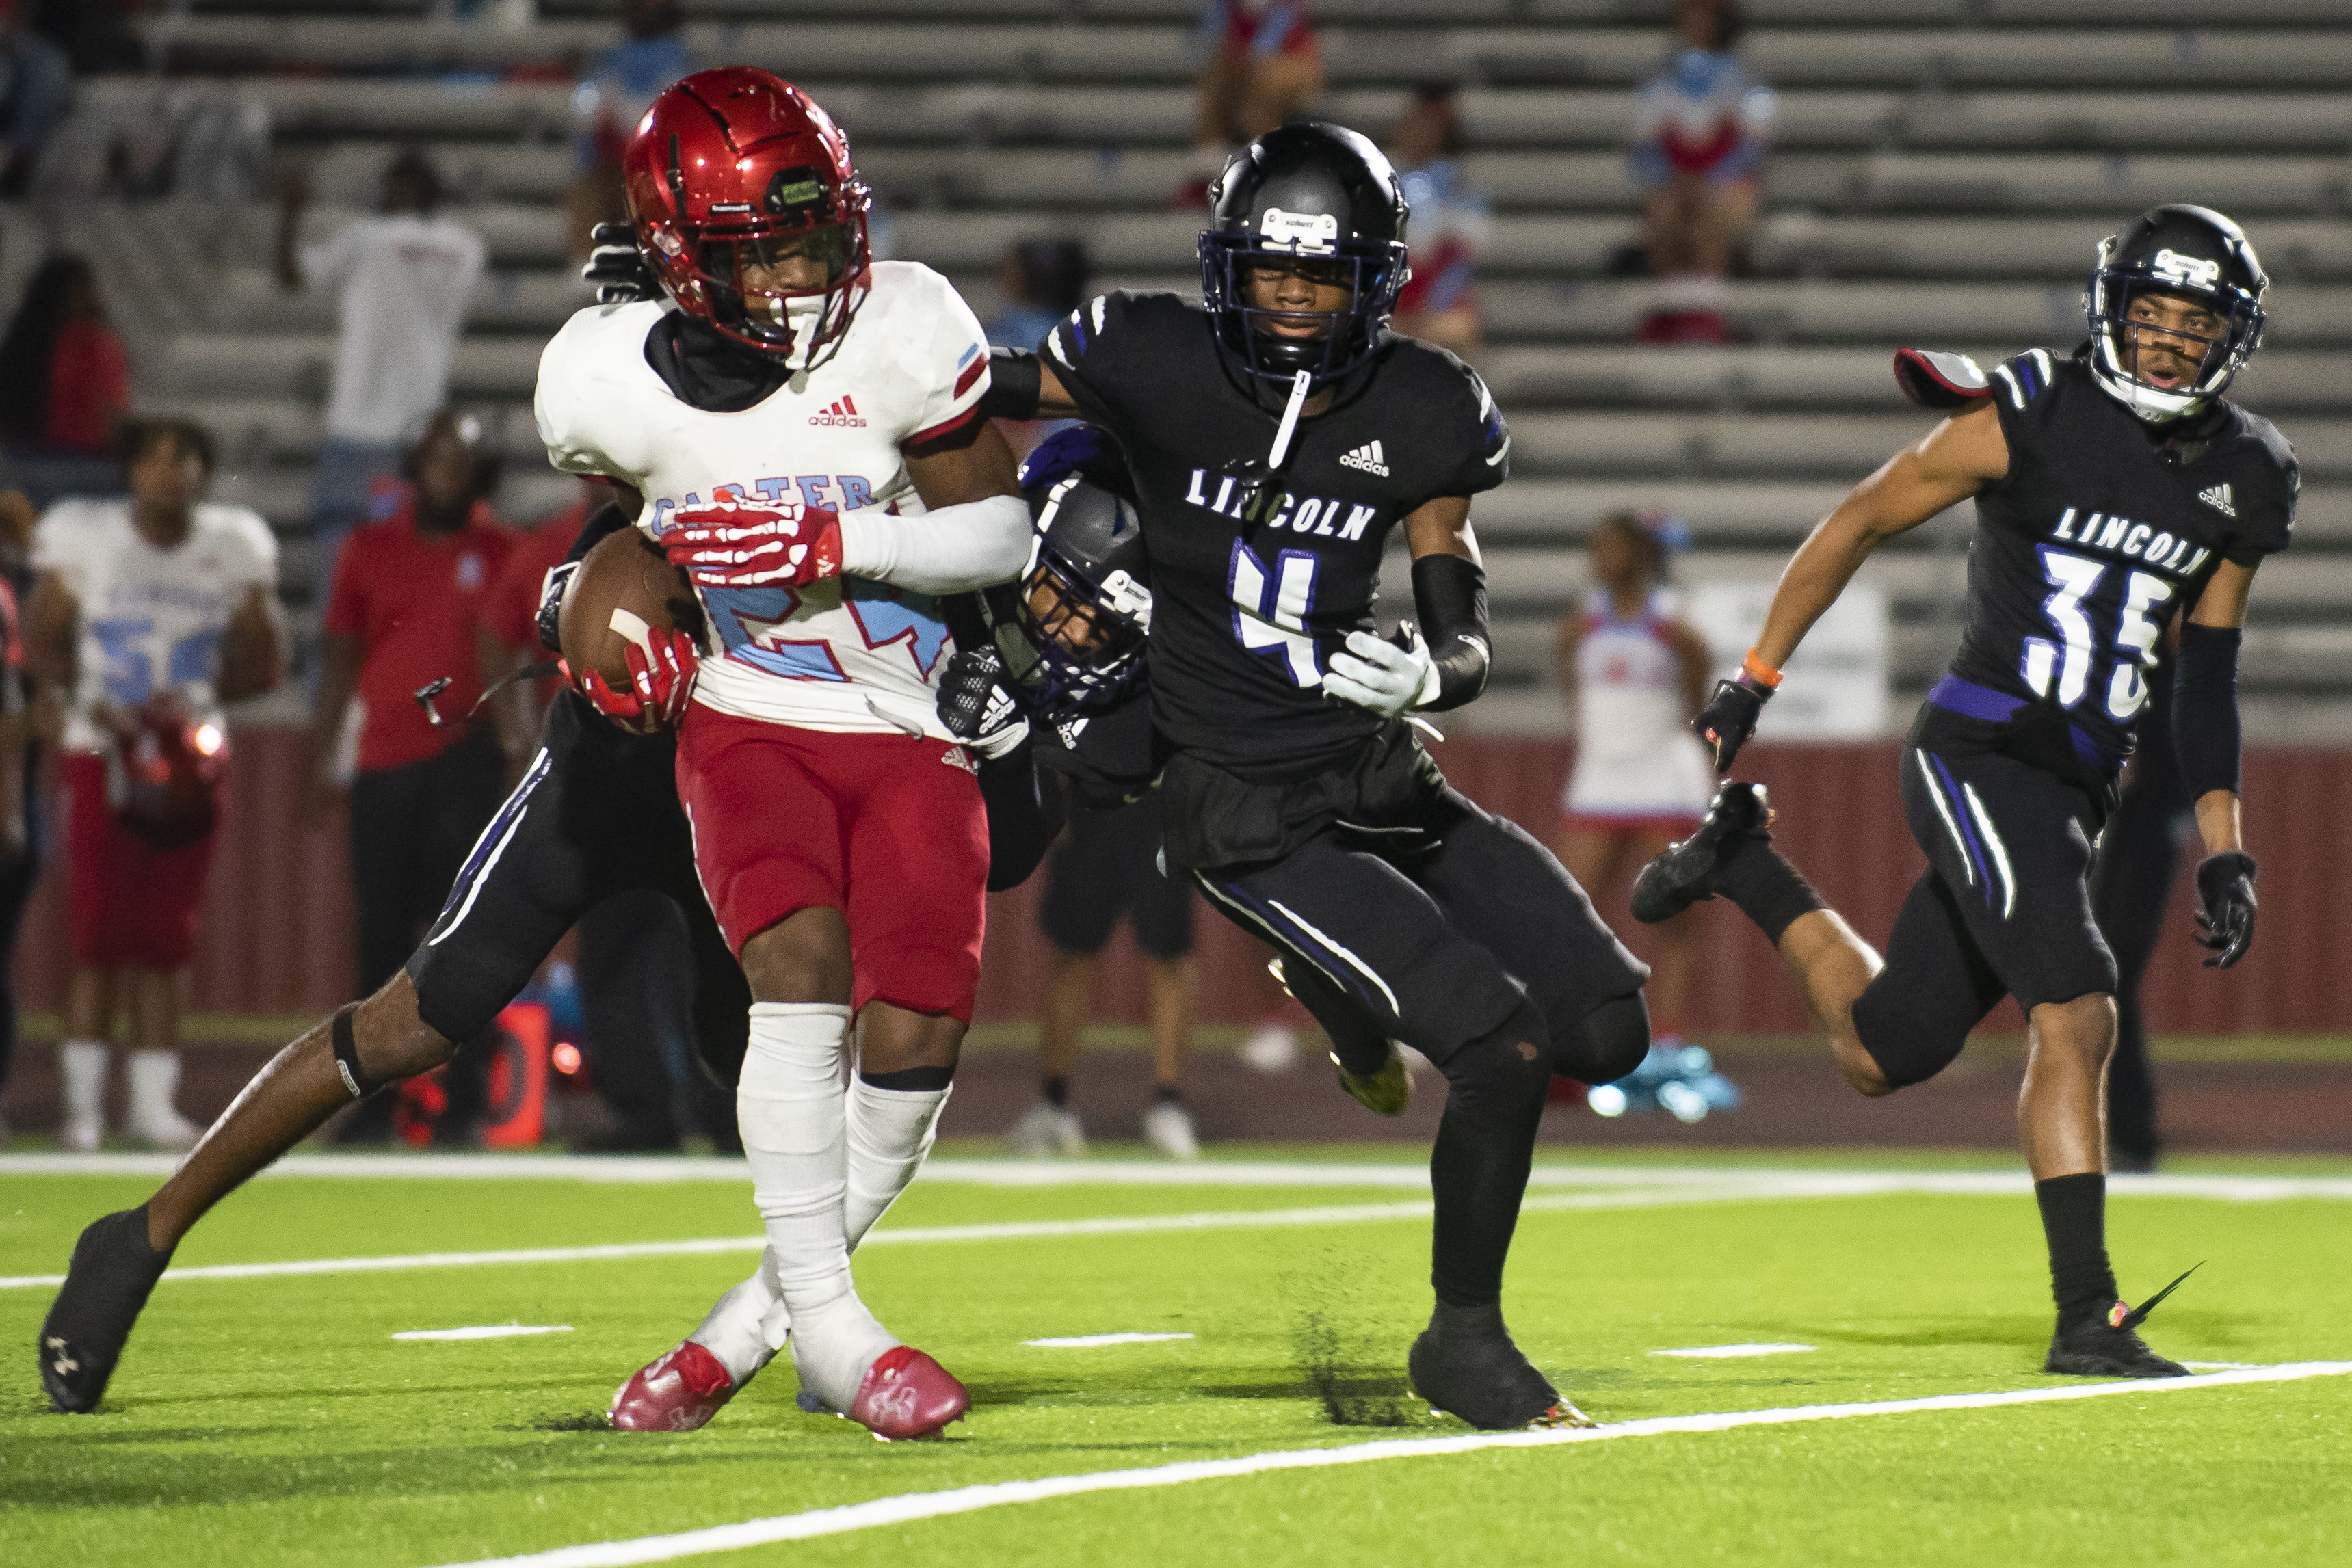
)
(913, 1507)
(913, 1235)
(656, 1170)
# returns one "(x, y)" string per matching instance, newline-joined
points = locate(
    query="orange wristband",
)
(1762, 673)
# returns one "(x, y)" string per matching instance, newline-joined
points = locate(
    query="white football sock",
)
(890, 1131)
(83, 1064)
(748, 1326)
(790, 1107)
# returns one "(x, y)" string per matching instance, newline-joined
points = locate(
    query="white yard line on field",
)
(1728, 1352)
(1088, 1341)
(486, 1331)
(1395, 1174)
(913, 1507)
(901, 1236)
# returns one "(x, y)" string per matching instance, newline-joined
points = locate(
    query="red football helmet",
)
(735, 169)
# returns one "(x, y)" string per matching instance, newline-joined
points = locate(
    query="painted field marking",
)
(1088, 1340)
(1726, 1352)
(2218, 1365)
(660, 1169)
(912, 1507)
(486, 1331)
(1011, 1230)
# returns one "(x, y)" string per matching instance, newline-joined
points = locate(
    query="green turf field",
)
(273, 1418)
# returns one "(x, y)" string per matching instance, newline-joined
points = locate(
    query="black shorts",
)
(596, 814)
(1110, 863)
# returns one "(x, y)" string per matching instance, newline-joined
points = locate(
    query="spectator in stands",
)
(20, 828)
(148, 613)
(1264, 66)
(406, 610)
(36, 92)
(617, 87)
(1042, 280)
(65, 385)
(403, 278)
(1449, 226)
(1107, 863)
(637, 961)
(1700, 126)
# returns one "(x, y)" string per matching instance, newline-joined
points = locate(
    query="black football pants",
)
(1472, 944)
(596, 815)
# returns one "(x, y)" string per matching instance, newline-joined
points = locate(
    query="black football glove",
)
(1730, 718)
(617, 267)
(975, 706)
(2225, 907)
(551, 604)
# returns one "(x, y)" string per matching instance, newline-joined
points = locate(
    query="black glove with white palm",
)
(617, 269)
(976, 707)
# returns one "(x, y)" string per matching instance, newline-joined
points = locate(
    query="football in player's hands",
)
(1727, 720)
(2225, 907)
(661, 683)
(735, 544)
(616, 268)
(976, 708)
(1388, 678)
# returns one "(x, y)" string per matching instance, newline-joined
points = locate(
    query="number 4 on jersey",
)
(1272, 616)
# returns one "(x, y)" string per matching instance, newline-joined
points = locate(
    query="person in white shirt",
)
(149, 612)
(402, 279)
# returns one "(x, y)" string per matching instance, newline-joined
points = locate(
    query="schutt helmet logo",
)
(2174, 267)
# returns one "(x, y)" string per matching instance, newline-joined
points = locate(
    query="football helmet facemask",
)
(1319, 200)
(2193, 256)
(748, 208)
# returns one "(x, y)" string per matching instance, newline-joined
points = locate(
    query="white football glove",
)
(1375, 674)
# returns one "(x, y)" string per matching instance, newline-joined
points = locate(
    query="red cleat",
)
(679, 1393)
(905, 1395)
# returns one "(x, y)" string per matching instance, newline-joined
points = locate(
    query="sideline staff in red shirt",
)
(407, 607)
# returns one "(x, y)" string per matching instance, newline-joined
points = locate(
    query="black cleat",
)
(1464, 1364)
(2102, 1344)
(1683, 875)
(113, 1269)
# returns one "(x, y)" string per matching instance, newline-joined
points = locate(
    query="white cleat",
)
(80, 1135)
(1168, 1128)
(1271, 1047)
(1048, 1129)
(163, 1129)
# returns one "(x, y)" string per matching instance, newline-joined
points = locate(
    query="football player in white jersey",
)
(149, 612)
(801, 424)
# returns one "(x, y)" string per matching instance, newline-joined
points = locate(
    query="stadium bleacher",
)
(1943, 168)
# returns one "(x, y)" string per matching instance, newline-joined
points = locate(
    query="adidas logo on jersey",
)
(2218, 497)
(843, 412)
(1368, 458)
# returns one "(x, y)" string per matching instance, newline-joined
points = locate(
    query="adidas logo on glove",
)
(1368, 458)
(843, 412)
(2218, 497)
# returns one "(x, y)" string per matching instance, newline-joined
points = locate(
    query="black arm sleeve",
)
(1451, 594)
(602, 523)
(1013, 385)
(2205, 708)
(1024, 813)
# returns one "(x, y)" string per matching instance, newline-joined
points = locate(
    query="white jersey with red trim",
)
(845, 654)
(1637, 758)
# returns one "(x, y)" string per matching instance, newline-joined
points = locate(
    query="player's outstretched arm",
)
(1957, 459)
(2206, 736)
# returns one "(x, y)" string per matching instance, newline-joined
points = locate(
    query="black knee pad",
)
(1611, 1041)
(1908, 1042)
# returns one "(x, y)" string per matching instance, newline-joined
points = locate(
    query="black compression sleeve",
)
(1013, 385)
(604, 522)
(1450, 593)
(2205, 708)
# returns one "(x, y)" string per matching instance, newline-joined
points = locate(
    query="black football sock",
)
(1057, 1090)
(1769, 890)
(1168, 1095)
(2075, 1219)
(1478, 1170)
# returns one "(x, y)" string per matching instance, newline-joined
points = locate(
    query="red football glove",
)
(738, 545)
(660, 685)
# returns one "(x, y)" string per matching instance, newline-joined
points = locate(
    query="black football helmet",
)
(2193, 253)
(1072, 629)
(1297, 193)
